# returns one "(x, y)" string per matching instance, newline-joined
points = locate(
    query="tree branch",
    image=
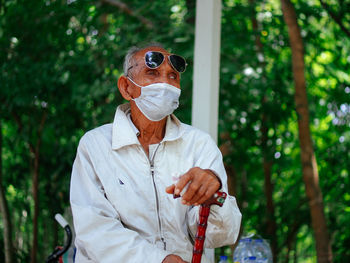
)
(40, 129)
(4, 209)
(20, 129)
(129, 11)
(335, 18)
(18, 121)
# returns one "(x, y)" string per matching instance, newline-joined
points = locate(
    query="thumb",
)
(170, 189)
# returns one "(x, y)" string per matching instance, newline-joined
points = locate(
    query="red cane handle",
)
(217, 199)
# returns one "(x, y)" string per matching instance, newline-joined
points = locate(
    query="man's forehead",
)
(142, 52)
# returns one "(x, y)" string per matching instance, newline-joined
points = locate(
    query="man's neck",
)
(151, 132)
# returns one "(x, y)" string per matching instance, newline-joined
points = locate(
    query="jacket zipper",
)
(151, 162)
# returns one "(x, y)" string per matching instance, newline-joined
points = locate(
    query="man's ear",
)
(124, 87)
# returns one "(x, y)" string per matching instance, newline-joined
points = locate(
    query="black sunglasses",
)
(153, 60)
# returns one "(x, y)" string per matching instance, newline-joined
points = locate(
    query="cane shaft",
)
(204, 210)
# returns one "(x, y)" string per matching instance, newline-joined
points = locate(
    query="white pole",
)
(206, 72)
(205, 97)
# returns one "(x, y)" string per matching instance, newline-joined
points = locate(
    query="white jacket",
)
(120, 208)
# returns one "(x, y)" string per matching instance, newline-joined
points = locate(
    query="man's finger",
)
(191, 191)
(183, 181)
(170, 189)
(199, 195)
(208, 194)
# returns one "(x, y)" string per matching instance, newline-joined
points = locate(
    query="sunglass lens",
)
(154, 59)
(178, 63)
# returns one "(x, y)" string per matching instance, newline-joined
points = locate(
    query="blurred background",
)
(60, 61)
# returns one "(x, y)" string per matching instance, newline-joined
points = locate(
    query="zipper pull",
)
(164, 243)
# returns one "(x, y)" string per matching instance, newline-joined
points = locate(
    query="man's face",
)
(144, 75)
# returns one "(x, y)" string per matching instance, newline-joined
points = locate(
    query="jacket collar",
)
(123, 132)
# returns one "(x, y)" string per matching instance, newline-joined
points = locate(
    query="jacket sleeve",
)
(100, 235)
(223, 222)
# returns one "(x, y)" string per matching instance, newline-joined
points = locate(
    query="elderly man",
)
(126, 173)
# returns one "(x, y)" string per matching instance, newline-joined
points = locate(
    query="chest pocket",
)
(129, 193)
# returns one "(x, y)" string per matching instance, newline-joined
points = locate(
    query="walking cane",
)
(217, 199)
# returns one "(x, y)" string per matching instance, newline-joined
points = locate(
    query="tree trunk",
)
(308, 159)
(290, 240)
(126, 9)
(231, 179)
(267, 159)
(35, 187)
(226, 148)
(35, 152)
(337, 18)
(270, 207)
(5, 213)
(191, 12)
(271, 225)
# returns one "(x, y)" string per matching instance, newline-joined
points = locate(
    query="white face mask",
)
(157, 100)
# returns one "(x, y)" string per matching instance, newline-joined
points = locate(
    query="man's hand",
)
(203, 184)
(173, 259)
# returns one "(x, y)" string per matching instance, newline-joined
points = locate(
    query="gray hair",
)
(132, 51)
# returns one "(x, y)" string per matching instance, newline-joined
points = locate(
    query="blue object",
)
(223, 259)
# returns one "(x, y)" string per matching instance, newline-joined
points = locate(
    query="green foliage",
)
(60, 61)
